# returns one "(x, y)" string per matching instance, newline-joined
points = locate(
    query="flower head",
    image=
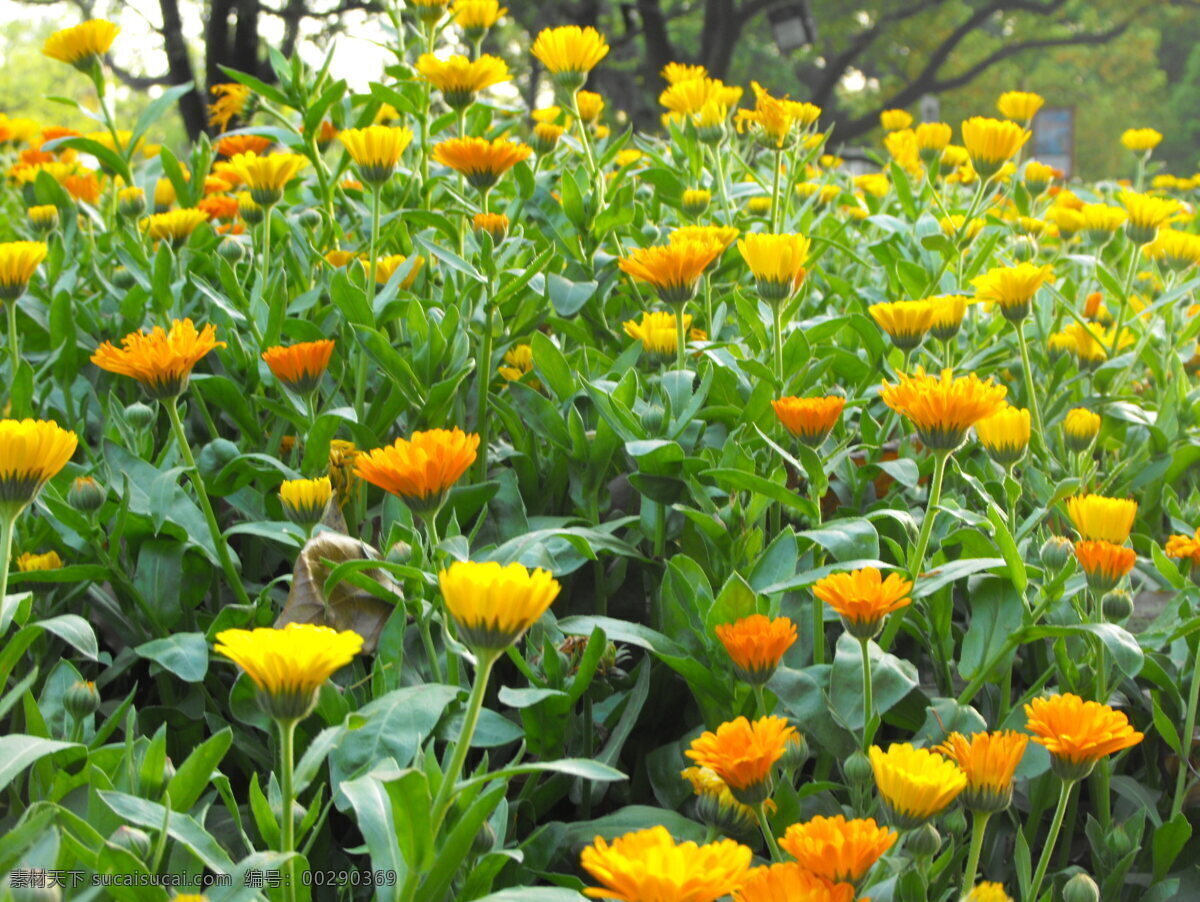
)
(809, 419)
(916, 784)
(776, 122)
(1141, 140)
(863, 598)
(756, 645)
(518, 361)
(161, 360)
(932, 139)
(743, 754)
(34, 563)
(989, 760)
(492, 605)
(1099, 518)
(305, 501)
(991, 143)
(836, 848)
(1147, 214)
(19, 260)
(233, 101)
(790, 882)
(1080, 428)
(494, 224)
(81, 45)
(715, 804)
(43, 218)
(905, 322)
(691, 96)
(569, 53)
(649, 864)
(546, 136)
(777, 262)
(674, 73)
(1077, 733)
(1013, 287)
(1038, 176)
(1185, 547)
(175, 226)
(460, 79)
(289, 665)
(1178, 250)
(32, 452)
(475, 17)
(673, 269)
(266, 176)
(948, 313)
(230, 146)
(895, 120)
(943, 408)
(300, 366)
(480, 160)
(1100, 221)
(1020, 106)
(386, 267)
(376, 150)
(987, 892)
(419, 471)
(1005, 434)
(1104, 563)
(657, 333)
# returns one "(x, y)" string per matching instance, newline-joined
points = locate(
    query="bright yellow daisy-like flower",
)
(1099, 221)
(289, 665)
(1184, 547)
(518, 362)
(917, 784)
(546, 136)
(688, 98)
(987, 892)
(1038, 177)
(1005, 435)
(429, 11)
(569, 53)
(1147, 214)
(480, 160)
(776, 122)
(1013, 287)
(674, 73)
(1096, 517)
(266, 176)
(875, 184)
(743, 754)
(756, 645)
(673, 269)
(34, 563)
(838, 849)
(720, 236)
(589, 105)
(989, 760)
(895, 120)
(386, 267)
(475, 17)
(777, 262)
(233, 101)
(649, 864)
(658, 333)
(1178, 250)
(1020, 106)
(715, 804)
(1104, 564)
(991, 143)
(32, 452)
(948, 313)
(1089, 343)
(19, 260)
(809, 419)
(495, 224)
(1141, 140)
(81, 45)
(376, 150)
(421, 470)
(461, 79)
(942, 408)
(932, 140)
(789, 882)
(160, 360)
(492, 605)
(905, 322)
(1080, 428)
(300, 366)
(305, 501)
(43, 218)
(903, 148)
(1077, 733)
(956, 226)
(863, 598)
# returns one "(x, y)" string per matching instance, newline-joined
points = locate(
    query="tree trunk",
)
(720, 33)
(179, 67)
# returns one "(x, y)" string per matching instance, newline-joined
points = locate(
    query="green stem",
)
(1128, 289)
(360, 374)
(777, 342)
(818, 610)
(1031, 389)
(1051, 838)
(680, 339)
(14, 349)
(775, 205)
(1189, 728)
(222, 547)
(275, 319)
(589, 156)
(441, 805)
(484, 382)
(761, 700)
(287, 737)
(868, 695)
(721, 186)
(7, 525)
(978, 827)
(1010, 642)
(760, 810)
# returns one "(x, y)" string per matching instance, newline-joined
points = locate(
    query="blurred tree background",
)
(1118, 63)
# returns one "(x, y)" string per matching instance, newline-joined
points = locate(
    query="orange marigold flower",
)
(743, 754)
(673, 269)
(1099, 518)
(1077, 733)
(300, 366)
(756, 644)
(421, 470)
(219, 207)
(161, 361)
(863, 598)
(790, 882)
(989, 760)
(943, 408)
(836, 848)
(232, 145)
(809, 419)
(648, 864)
(480, 160)
(1179, 546)
(1104, 563)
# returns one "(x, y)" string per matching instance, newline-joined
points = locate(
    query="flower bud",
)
(857, 769)
(652, 418)
(132, 840)
(86, 495)
(310, 218)
(1023, 247)
(795, 753)
(955, 821)
(400, 553)
(1081, 888)
(231, 249)
(139, 416)
(924, 842)
(696, 201)
(1056, 552)
(1117, 605)
(81, 700)
(123, 278)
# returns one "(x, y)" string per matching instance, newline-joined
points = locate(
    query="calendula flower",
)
(790, 882)
(777, 262)
(743, 754)
(948, 313)
(987, 892)
(300, 366)
(219, 207)
(1096, 517)
(1099, 221)
(1038, 177)
(916, 784)
(956, 226)
(673, 269)
(695, 201)
(902, 147)
(776, 122)
(1020, 106)
(461, 79)
(429, 11)
(34, 563)
(895, 120)
(905, 322)
(589, 105)
(248, 208)
(690, 97)
(674, 73)
(175, 226)
(1089, 343)
(19, 260)
(1005, 435)
(932, 140)
(875, 184)
(649, 864)
(1104, 563)
(863, 598)
(756, 645)
(840, 850)
(809, 419)
(82, 45)
(421, 470)
(991, 143)
(1184, 547)
(84, 186)
(546, 136)
(164, 195)
(495, 224)
(43, 218)
(1080, 428)
(1077, 733)
(657, 332)
(943, 408)
(231, 145)
(715, 805)
(759, 205)
(32, 452)
(232, 102)
(1147, 214)
(475, 17)
(386, 267)
(305, 501)
(492, 605)
(1178, 250)
(1013, 287)
(376, 150)
(569, 53)
(161, 361)
(518, 362)
(268, 175)
(289, 665)
(480, 160)
(1141, 140)
(989, 761)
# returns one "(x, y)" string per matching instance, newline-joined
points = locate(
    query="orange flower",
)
(231, 146)
(673, 269)
(422, 469)
(1077, 733)
(480, 160)
(863, 598)
(943, 408)
(756, 644)
(649, 865)
(743, 754)
(809, 419)
(790, 882)
(220, 207)
(1185, 547)
(989, 760)
(300, 366)
(838, 849)
(1098, 518)
(1104, 563)
(161, 361)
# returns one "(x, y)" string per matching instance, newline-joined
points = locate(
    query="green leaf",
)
(184, 654)
(373, 814)
(568, 297)
(1121, 644)
(846, 539)
(194, 774)
(892, 678)
(996, 613)
(451, 259)
(180, 827)
(18, 751)
(1169, 840)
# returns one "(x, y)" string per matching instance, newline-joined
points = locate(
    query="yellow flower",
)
(495, 224)
(386, 267)
(743, 753)
(863, 598)
(161, 361)
(1100, 221)
(1179, 250)
(809, 419)
(903, 148)
(569, 53)
(948, 313)
(777, 262)
(719, 236)
(790, 882)
(905, 322)
(673, 269)
(480, 160)
(657, 332)
(989, 760)
(1104, 564)
(987, 892)
(1020, 106)
(690, 97)
(1013, 287)
(175, 226)
(19, 260)
(838, 849)
(460, 79)
(589, 105)
(695, 201)
(233, 99)
(300, 366)
(1096, 517)
(1187, 547)
(1090, 343)
(756, 645)
(991, 143)
(131, 202)
(774, 121)
(648, 864)
(895, 120)
(955, 225)
(875, 184)
(518, 362)
(492, 605)
(81, 45)
(268, 175)
(674, 73)
(1077, 733)
(421, 470)
(1080, 428)
(546, 136)
(289, 665)
(305, 500)
(32, 563)
(759, 206)
(43, 218)
(916, 784)
(1038, 177)
(1146, 215)
(1141, 140)
(1005, 434)
(376, 150)
(943, 408)
(32, 452)
(715, 804)
(475, 17)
